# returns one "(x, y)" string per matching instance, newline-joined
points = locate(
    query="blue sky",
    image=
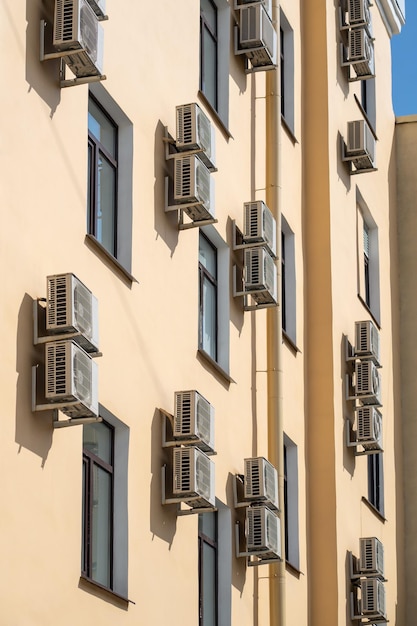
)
(404, 64)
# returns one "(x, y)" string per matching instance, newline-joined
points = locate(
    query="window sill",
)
(369, 311)
(203, 355)
(374, 509)
(287, 340)
(288, 130)
(292, 569)
(215, 115)
(87, 584)
(93, 243)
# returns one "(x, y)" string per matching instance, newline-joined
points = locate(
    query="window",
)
(102, 180)
(213, 267)
(104, 510)
(376, 481)
(207, 569)
(208, 296)
(288, 296)
(368, 260)
(287, 71)
(214, 55)
(368, 99)
(110, 162)
(292, 553)
(215, 566)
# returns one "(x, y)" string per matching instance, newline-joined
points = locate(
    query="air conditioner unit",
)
(71, 376)
(373, 598)
(257, 37)
(194, 419)
(193, 478)
(195, 132)
(263, 532)
(99, 8)
(361, 52)
(261, 481)
(260, 276)
(77, 30)
(369, 427)
(259, 225)
(359, 13)
(367, 340)
(371, 557)
(72, 308)
(367, 382)
(360, 147)
(193, 186)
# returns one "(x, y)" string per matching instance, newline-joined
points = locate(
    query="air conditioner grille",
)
(259, 224)
(367, 379)
(371, 556)
(57, 374)
(263, 531)
(89, 30)
(82, 369)
(373, 597)
(184, 407)
(57, 301)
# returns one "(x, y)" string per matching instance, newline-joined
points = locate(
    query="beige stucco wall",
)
(149, 328)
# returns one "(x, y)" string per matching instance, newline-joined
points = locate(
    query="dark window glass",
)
(97, 507)
(282, 68)
(102, 178)
(376, 481)
(208, 51)
(283, 284)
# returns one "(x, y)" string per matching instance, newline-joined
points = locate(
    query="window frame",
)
(221, 362)
(220, 108)
(376, 482)
(224, 564)
(97, 149)
(287, 71)
(119, 518)
(204, 539)
(205, 28)
(288, 282)
(205, 275)
(122, 253)
(291, 512)
(90, 461)
(368, 260)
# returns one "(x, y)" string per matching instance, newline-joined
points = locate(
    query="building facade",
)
(199, 210)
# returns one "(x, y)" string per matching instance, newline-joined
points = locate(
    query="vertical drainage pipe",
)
(274, 328)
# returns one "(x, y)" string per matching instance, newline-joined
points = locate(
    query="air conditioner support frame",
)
(179, 500)
(356, 575)
(253, 558)
(352, 442)
(237, 235)
(350, 161)
(246, 294)
(363, 620)
(48, 56)
(239, 51)
(39, 323)
(170, 141)
(55, 406)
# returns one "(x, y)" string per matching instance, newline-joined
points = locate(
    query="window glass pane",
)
(207, 525)
(210, 14)
(98, 438)
(209, 317)
(84, 565)
(101, 527)
(106, 204)
(209, 583)
(209, 68)
(101, 127)
(208, 256)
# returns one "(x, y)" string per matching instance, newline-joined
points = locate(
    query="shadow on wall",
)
(34, 431)
(349, 458)
(43, 77)
(166, 224)
(163, 518)
(238, 564)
